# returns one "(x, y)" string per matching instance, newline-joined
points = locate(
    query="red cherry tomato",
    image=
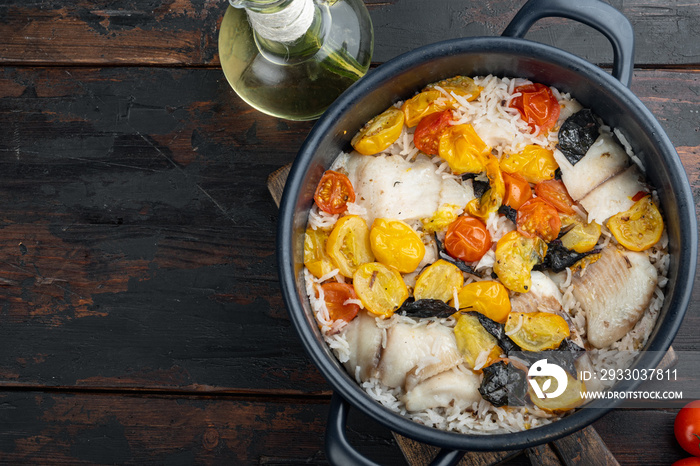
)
(537, 106)
(517, 190)
(467, 239)
(427, 135)
(692, 461)
(333, 193)
(335, 295)
(555, 194)
(687, 427)
(537, 218)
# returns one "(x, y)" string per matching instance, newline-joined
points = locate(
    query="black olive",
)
(577, 134)
(425, 308)
(504, 384)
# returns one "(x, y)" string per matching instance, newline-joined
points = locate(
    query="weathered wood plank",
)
(185, 32)
(49, 428)
(138, 245)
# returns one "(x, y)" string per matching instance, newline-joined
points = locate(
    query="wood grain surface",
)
(140, 313)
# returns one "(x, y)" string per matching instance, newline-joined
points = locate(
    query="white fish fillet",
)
(613, 196)
(413, 354)
(604, 159)
(451, 387)
(544, 296)
(364, 338)
(391, 187)
(614, 292)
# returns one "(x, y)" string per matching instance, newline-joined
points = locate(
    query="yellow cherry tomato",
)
(396, 244)
(438, 281)
(492, 199)
(423, 104)
(473, 341)
(536, 331)
(379, 133)
(488, 297)
(442, 218)
(380, 288)
(516, 255)
(640, 227)
(316, 259)
(462, 86)
(463, 149)
(348, 245)
(582, 237)
(570, 399)
(534, 163)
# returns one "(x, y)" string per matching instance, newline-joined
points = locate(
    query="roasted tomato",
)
(467, 239)
(537, 106)
(492, 199)
(333, 193)
(686, 427)
(463, 149)
(427, 134)
(380, 288)
(438, 281)
(554, 193)
(446, 214)
(536, 331)
(571, 398)
(336, 296)
(462, 86)
(534, 163)
(396, 244)
(379, 133)
(518, 190)
(640, 227)
(582, 237)
(537, 218)
(488, 297)
(478, 346)
(316, 259)
(421, 105)
(516, 255)
(348, 244)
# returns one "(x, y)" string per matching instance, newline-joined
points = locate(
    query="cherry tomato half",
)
(333, 193)
(537, 106)
(687, 427)
(537, 218)
(638, 228)
(692, 461)
(555, 194)
(518, 190)
(379, 133)
(335, 295)
(427, 135)
(467, 239)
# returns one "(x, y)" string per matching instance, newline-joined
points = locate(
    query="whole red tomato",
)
(692, 461)
(687, 427)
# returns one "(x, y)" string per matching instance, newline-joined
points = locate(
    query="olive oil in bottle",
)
(293, 58)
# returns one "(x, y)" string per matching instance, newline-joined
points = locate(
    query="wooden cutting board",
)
(584, 447)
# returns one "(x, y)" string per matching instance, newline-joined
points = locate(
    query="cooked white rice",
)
(487, 114)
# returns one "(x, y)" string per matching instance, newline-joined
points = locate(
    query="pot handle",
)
(594, 13)
(339, 451)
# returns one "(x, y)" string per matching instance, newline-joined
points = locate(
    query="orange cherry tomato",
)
(537, 106)
(555, 194)
(537, 218)
(517, 190)
(335, 295)
(333, 193)
(467, 239)
(427, 135)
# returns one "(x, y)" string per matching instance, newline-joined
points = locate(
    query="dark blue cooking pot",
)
(513, 56)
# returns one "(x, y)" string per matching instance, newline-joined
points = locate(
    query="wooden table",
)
(140, 312)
